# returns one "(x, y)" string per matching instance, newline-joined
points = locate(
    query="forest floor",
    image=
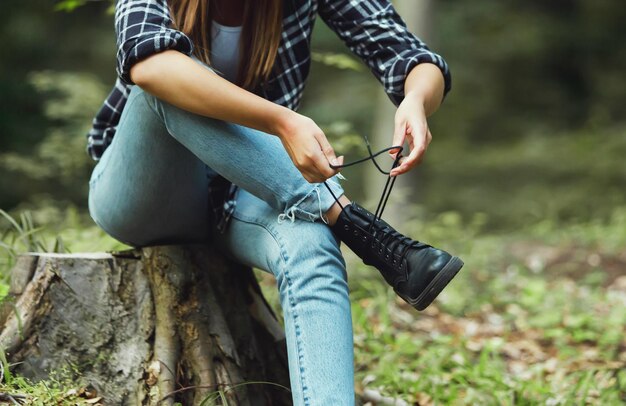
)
(535, 317)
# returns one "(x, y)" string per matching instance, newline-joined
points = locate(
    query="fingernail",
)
(334, 161)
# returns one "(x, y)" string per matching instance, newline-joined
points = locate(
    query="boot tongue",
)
(354, 214)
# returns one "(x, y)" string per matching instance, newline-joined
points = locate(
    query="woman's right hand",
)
(308, 147)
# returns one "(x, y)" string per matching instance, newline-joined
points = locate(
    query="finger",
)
(322, 168)
(399, 134)
(340, 160)
(411, 147)
(314, 165)
(327, 149)
(428, 138)
(326, 157)
(418, 144)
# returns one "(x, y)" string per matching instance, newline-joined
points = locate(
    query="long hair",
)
(260, 37)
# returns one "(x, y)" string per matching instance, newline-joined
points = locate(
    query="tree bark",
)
(150, 326)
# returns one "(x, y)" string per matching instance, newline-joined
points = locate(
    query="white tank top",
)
(225, 49)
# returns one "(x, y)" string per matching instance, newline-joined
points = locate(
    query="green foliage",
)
(533, 66)
(59, 162)
(65, 228)
(62, 388)
(517, 326)
(69, 5)
(537, 316)
(337, 60)
(524, 180)
(60, 157)
(345, 138)
(568, 177)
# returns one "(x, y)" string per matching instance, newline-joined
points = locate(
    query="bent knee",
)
(136, 224)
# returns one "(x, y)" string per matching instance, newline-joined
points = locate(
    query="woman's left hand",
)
(410, 124)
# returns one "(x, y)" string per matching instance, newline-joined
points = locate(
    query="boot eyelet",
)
(364, 238)
(346, 227)
(356, 232)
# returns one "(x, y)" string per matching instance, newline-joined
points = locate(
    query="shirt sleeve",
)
(374, 31)
(143, 28)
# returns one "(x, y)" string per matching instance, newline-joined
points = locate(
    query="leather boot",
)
(417, 271)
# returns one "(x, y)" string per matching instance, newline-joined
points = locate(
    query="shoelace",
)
(388, 185)
(389, 234)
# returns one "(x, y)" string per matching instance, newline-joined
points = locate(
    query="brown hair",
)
(260, 37)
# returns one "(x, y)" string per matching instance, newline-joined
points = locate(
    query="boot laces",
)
(390, 239)
(397, 243)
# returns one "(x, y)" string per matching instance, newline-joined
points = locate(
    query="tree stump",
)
(150, 326)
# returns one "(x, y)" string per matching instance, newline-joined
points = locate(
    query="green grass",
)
(537, 316)
(63, 387)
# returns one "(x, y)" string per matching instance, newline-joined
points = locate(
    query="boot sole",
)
(435, 286)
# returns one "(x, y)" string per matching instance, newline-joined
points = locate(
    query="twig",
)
(371, 395)
(228, 387)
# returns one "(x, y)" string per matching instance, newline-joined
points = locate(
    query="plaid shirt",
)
(371, 29)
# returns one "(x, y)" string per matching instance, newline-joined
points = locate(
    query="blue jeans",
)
(150, 187)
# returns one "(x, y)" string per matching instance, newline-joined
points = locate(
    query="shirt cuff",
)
(403, 66)
(136, 49)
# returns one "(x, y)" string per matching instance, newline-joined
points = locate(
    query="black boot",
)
(417, 272)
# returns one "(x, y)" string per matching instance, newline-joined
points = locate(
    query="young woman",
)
(206, 90)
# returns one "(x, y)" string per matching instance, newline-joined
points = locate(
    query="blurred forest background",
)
(525, 179)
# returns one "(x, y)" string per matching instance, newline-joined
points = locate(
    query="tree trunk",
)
(150, 326)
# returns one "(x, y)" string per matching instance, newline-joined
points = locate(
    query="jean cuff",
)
(316, 203)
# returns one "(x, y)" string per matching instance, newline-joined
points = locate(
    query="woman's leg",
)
(311, 276)
(148, 188)
(251, 159)
(160, 140)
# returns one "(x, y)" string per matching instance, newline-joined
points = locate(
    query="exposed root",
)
(18, 323)
(161, 371)
(151, 326)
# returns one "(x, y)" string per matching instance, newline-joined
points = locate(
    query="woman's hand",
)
(410, 124)
(423, 89)
(308, 147)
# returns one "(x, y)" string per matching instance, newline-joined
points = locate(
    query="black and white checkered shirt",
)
(372, 30)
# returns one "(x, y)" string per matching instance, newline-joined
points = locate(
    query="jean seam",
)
(290, 299)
